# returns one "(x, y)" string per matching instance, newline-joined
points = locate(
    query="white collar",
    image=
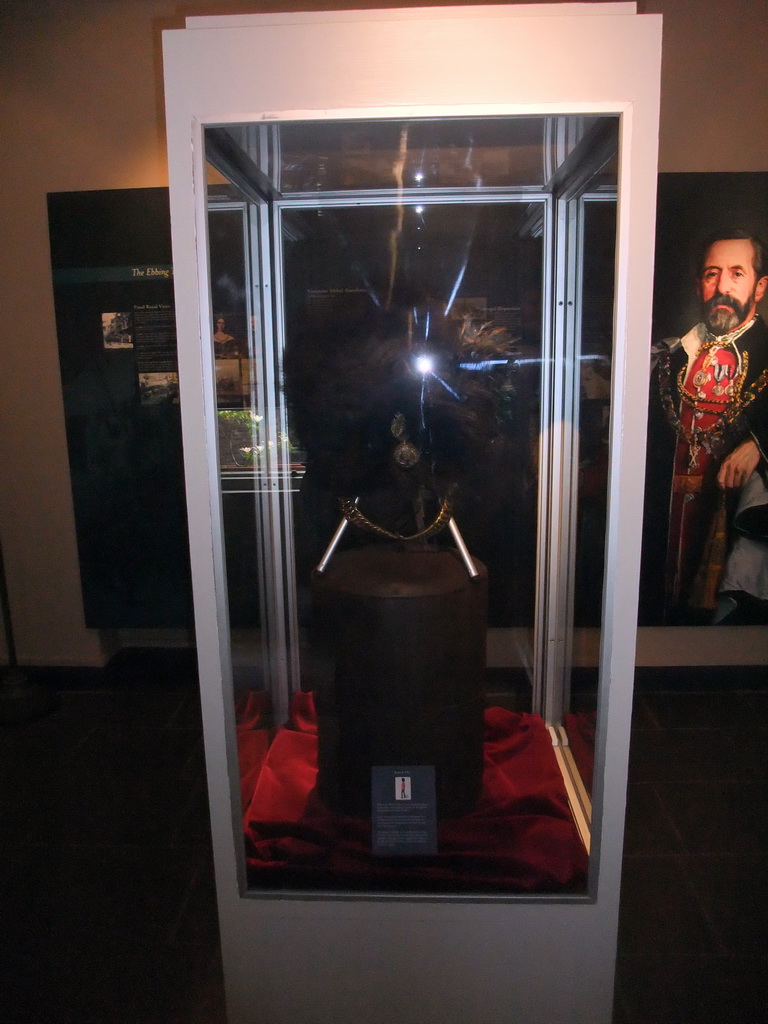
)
(698, 335)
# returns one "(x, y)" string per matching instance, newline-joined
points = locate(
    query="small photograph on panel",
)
(155, 388)
(117, 330)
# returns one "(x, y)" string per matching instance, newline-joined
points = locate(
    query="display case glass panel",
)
(412, 332)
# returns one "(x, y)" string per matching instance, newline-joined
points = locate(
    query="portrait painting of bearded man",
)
(705, 555)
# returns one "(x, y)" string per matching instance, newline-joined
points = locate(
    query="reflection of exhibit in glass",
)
(225, 346)
(414, 486)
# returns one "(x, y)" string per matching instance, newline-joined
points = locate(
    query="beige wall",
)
(81, 108)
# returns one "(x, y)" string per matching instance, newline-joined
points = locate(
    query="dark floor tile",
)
(648, 828)
(156, 986)
(683, 678)
(714, 817)
(753, 708)
(121, 785)
(687, 755)
(43, 744)
(752, 747)
(55, 678)
(68, 718)
(690, 710)
(197, 921)
(584, 702)
(620, 1012)
(189, 713)
(31, 757)
(194, 821)
(734, 894)
(130, 709)
(151, 668)
(17, 811)
(659, 910)
(205, 1003)
(19, 882)
(682, 989)
(642, 714)
(733, 711)
(90, 898)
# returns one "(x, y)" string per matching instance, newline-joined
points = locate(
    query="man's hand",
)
(739, 465)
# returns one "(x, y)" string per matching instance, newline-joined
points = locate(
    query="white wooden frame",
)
(531, 961)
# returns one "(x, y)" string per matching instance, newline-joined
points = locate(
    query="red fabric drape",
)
(519, 838)
(253, 740)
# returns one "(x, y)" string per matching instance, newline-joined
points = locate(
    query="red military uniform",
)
(714, 379)
(709, 386)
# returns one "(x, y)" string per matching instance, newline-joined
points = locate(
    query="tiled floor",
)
(693, 934)
(107, 904)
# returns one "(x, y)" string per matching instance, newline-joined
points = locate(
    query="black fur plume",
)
(355, 392)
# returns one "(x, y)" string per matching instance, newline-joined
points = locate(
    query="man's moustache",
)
(723, 300)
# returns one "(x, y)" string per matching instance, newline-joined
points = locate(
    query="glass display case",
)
(406, 408)
(412, 340)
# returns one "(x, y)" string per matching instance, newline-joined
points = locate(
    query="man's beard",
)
(721, 321)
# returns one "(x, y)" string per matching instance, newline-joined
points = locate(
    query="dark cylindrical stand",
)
(407, 630)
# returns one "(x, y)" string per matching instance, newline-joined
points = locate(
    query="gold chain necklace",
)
(702, 437)
(693, 402)
(357, 518)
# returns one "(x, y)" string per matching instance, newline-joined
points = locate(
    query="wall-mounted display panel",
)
(115, 322)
